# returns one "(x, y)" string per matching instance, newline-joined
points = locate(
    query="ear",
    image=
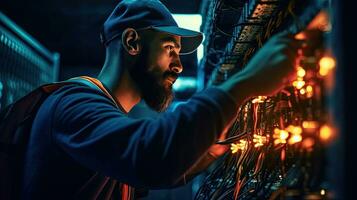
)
(130, 41)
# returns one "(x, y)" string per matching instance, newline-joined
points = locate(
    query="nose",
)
(176, 66)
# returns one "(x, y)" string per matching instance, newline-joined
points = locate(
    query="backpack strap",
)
(15, 126)
(82, 80)
(95, 84)
(24, 109)
(127, 191)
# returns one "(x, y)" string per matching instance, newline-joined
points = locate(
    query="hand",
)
(269, 70)
(217, 150)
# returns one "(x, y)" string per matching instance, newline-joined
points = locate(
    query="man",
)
(83, 145)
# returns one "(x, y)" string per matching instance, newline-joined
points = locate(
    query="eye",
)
(170, 47)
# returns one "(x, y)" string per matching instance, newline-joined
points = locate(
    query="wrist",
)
(238, 88)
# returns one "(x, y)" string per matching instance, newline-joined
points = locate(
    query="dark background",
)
(71, 28)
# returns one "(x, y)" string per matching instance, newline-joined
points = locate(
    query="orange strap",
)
(100, 86)
(126, 189)
(126, 192)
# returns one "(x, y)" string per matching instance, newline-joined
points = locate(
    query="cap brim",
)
(190, 40)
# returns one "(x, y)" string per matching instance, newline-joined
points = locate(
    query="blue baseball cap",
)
(147, 14)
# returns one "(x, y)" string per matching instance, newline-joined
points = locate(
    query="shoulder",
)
(79, 100)
(79, 94)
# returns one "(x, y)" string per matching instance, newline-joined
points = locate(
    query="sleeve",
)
(148, 153)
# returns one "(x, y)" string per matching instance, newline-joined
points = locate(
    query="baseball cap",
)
(147, 14)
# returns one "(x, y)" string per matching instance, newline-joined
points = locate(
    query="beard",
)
(151, 84)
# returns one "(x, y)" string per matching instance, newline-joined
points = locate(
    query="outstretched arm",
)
(156, 153)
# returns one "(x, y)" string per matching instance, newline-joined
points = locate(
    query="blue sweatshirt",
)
(79, 139)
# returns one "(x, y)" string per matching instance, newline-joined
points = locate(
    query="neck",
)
(119, 82)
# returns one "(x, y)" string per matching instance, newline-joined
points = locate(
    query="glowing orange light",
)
(282, 154)
(326, 64)
(259, 99)
(234, 148)
(324, 71)
(295, 139)
(297, 130)
(322, 192)
(300, 36)
(259, 140)
(308, 143)
(326, 132)
(310, 124)
(276, 131)
(280, 136)
(279, 141)
(309, 88)
(309, 91)
(242, 145)
(296, 134)
(298, 84)
(302, 91)
(300, 72)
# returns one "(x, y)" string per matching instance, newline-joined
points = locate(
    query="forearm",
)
(238, 87)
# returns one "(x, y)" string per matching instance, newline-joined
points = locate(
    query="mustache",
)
(170, 74)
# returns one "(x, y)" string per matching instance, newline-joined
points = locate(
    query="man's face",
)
(157, 68)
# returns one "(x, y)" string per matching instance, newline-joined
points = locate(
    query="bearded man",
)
(84, 146)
